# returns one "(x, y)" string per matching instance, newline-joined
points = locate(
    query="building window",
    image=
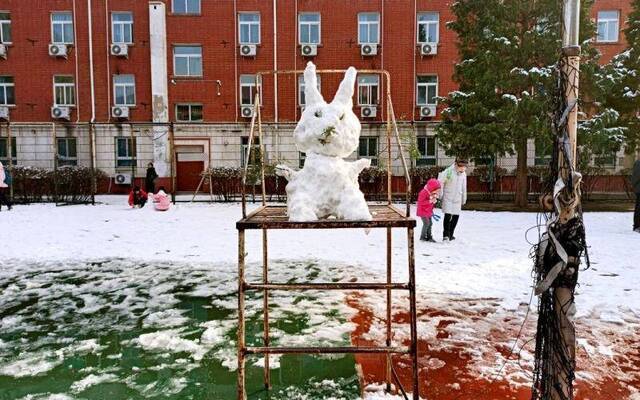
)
(309, 28)
(67, 151)
(427, 90)
(62, 28)
(301, 97)
(302, 157)
(368, 148)
(189, 112)
(187, 60)
(124, 90)
(543, 150)
(368, 88)
(249, 28)
(369, 28)
(255, 151)
(608, 26)
(428, 151)
(125, 152)
(5, 27)
(186, 6)
(428, 26)
(606, 160)
(7, 91)
(64, 91)
(4, 154)
(122, 27)
(248, 89)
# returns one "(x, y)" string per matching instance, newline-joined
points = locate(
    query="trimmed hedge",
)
(68, 184)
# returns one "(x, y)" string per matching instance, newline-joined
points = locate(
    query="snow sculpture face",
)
(330, 129)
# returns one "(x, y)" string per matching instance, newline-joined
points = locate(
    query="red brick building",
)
(211, 50)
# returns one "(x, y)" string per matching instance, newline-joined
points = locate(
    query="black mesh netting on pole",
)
(558, 255)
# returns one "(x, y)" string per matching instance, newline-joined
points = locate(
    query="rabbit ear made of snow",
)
(311, 94)
(344, 95)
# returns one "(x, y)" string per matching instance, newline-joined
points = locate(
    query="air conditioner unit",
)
(309, 50)
(368, 49)
(3, 51)
(368, 112)
(58, 50)
(248, 50)
(246, 111)
(122, 179)
(120, 112)
(120, 49)
(428, 111)
(4, 113)
(60, 112)
(428, 49)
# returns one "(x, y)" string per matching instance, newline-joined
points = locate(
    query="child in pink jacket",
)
(161, 200)
(426, 202)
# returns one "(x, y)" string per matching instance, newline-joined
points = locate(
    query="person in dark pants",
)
(454, 195)
(5, 182)
(150, 180)
(635, 181)
(137, 197)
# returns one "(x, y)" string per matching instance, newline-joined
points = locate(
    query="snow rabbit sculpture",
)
(327, 133)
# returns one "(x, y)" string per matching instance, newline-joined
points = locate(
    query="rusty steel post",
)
(413, 311)
(242, 392)
(388, 319)
(265, 280)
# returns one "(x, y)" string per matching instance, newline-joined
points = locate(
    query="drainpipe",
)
(108, 57)
(75, 42)
(92, 138)
(235, 53)
(275, 59)
(415, 40)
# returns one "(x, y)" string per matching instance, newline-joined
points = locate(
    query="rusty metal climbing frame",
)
(266, 217)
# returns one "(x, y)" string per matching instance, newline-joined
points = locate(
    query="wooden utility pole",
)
(563, 296)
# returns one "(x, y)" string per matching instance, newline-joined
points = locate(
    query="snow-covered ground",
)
(482, 281)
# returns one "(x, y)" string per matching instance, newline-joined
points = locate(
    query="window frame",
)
(188, 57)
(131, 158)
(4, 22)
(425, 159)
(369, 90)
(4, 143)
(62, 23)
(186, 8)
(66, 159)
(253, 87)
(368, 24)
(190, 112)
(250, 24)
(301, 87)
(117, 85)
(608, 22)
(426, 85)
(368, 155)
(4, 86)
(309, 23)
(255, 152)
(68, 90)
(427, 23)
(122, 25)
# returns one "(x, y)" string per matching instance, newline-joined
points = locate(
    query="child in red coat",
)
(137, 197)
(426, 202)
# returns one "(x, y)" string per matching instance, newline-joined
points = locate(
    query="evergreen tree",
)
(507, 78)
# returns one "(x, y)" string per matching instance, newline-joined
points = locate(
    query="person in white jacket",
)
(454, 195)
(4, 187)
